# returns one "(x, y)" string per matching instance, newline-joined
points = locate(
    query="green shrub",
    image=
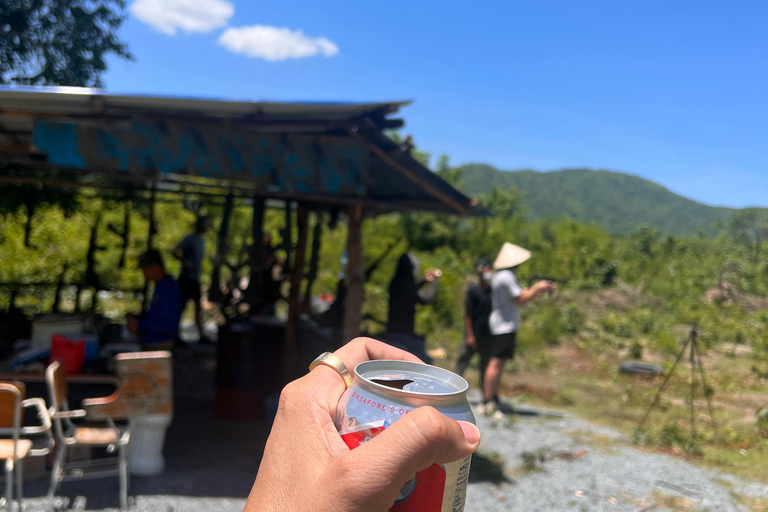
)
(540, 361)
(645, 320)
(548, 324)
(671, 437)
(667, 343)
(566, 397)
(572, 319)
(616, 324)
(762, 418)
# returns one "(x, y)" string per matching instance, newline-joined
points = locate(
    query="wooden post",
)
(254, 292)
(59, 288)
(287, 233)
(126, 235)
(151, 231)
(214, 293)
(297, 274)
(314, 261)
(355, 274)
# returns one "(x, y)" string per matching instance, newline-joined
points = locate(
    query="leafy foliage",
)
(640, 291)
(59, 42)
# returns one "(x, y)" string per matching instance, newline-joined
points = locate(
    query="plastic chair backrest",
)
(11, 396)
(56, 379)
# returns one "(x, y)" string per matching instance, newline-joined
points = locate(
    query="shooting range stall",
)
(312, 157)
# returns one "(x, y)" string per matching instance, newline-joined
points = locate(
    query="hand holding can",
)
(307, 466)
(385, 392)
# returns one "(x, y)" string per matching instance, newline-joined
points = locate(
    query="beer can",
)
(384, 391)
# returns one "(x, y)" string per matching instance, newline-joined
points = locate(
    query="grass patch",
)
(750, 503)
(601, 395)
(664, 501)
(603, 444)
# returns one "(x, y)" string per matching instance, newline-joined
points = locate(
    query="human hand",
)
(471, 340)
(307, 466)
(432, 274)
(544, 286)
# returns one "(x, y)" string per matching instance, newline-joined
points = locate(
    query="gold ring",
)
(332, 360)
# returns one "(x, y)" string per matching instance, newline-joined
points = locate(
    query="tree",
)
(59, 42)
(751, 226)
(503, 203)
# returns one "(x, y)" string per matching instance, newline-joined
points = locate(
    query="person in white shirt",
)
(506, 297)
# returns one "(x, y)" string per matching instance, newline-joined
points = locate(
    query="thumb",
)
(414, 442)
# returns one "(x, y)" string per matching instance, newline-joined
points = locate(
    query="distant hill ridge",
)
(617, 202)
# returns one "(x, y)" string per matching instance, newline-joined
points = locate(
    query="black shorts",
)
(190, 290)
(501, 346)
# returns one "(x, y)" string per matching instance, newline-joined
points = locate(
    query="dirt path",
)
(570, 464)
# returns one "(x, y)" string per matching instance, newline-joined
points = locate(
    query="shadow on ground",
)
(487, 467)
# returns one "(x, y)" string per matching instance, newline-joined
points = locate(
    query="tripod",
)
(695, 361)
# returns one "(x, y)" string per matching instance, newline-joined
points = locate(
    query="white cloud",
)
(168, 16)
(275, 43)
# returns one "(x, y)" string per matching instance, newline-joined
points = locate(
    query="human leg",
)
(465, 356)
(190, 291)
(199, 317)
(502, 347)
(492, 380)
(484, 346)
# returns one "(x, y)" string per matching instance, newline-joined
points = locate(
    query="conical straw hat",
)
(511, 255)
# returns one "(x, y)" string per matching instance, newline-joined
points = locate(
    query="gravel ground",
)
(591, 468)
(210, 466)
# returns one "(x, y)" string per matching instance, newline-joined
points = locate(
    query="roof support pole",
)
(355, 274)
(297, 273)
(151, 231)
(317, 234)
(256, 257)
(214, 293)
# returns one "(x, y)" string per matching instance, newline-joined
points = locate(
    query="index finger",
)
(360, 350)
(329, 385)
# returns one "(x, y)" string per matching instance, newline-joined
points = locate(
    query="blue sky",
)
(676, 92)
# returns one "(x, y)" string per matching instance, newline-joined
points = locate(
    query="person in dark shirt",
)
(405, 292)
(477, 309)
(190, 252)
(158, 327)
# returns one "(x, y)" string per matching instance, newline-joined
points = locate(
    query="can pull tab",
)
(396, 384)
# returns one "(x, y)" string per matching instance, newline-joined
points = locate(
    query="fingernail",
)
(471, 433)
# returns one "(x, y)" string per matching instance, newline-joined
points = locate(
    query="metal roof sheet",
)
(83, 101)
(317, 146)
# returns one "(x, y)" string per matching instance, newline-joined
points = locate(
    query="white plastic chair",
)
(69, 435)
(14, 450)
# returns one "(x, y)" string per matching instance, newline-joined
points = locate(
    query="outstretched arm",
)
(528, 294)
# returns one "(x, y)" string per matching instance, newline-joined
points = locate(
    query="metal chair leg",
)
(9, 484)
(56, 470)
(123, 478)
(20, 483)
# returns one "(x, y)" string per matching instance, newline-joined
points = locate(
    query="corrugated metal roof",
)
(83, 101)
(332, 153)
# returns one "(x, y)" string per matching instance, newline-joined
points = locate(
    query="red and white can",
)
(383, 392)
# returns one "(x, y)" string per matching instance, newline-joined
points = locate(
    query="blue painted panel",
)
(60, 143)
(281, 162)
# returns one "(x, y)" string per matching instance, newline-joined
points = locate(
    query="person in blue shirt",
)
(158, 327)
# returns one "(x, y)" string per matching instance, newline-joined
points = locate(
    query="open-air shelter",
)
(332, 157)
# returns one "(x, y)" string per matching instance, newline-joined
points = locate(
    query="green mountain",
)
(617, 202)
